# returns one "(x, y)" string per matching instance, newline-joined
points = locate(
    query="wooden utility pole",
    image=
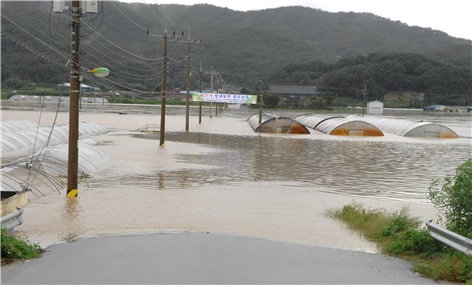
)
(200, 91)
(188, 76)
(261, 107)
(163, 90)
(75, 90)
(188, 72)
(212, 88)
(365, 97)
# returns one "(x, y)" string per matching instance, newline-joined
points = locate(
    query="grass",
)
(399, 234)
(14, 248)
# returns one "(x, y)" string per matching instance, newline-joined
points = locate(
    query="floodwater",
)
(222, 177)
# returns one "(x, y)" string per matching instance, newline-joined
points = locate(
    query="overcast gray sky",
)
(453, 17)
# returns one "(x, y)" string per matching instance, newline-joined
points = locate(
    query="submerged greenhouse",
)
(411, 129)
(17, 135)
(43, 155)
(339, 125)
(276, 124)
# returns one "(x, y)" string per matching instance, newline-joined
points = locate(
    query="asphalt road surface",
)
(200, 258)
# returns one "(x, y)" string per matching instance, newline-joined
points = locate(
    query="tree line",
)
(430, 79)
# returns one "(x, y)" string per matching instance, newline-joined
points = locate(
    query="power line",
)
(34, 37)
(138, 25)
(124, 50)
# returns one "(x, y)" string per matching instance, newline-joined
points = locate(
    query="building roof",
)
(292, 89)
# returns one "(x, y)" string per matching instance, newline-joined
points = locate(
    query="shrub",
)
(453, 197)
(413, 242)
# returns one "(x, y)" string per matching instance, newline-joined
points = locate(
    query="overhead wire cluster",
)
(129, 69)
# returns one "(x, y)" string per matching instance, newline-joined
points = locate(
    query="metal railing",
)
(450, 238)
(12, 220)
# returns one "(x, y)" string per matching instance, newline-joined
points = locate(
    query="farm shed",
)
(339, 125)
(276, 124)
(375, 108)
(406, 128)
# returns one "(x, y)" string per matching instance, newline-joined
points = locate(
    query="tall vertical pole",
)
(261, 107)
(75, 89)
(187, 83)
(200, 91)
(217, 104)
(212, 90)
(364, 104)
(163, 91)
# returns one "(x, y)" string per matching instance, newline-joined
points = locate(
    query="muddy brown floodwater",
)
(222, 177)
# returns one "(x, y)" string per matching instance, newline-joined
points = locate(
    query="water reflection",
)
(375, 168)
(72, 219)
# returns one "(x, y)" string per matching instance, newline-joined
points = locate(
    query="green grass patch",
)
(399, 234)
(15, 248)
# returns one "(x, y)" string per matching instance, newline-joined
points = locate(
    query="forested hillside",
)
(240, 46)
(434, 81)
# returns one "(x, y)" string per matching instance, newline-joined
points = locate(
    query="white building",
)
(375, 108)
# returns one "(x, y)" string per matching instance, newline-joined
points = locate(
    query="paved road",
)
(196, 258)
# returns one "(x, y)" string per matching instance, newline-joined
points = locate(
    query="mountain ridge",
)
(251, 43)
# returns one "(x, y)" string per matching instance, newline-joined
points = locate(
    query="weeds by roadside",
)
(399, 234)
(15, 248)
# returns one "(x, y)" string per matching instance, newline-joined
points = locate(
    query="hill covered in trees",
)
(428, 80)
(291, 44)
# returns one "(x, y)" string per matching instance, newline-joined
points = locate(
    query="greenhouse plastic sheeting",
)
(13, 126)
(17, 135)
(54, 160)
(411, 129)
(276, 124)
(49, 160)
(339, 125)
(312, 121)
(51, 163)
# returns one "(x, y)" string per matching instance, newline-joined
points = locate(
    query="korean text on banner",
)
(224, 98)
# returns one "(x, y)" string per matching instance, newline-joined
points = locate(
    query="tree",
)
(328, 99)
(271, 100)
(453, 198)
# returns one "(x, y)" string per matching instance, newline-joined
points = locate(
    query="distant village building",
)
(375, 108)
(89, 94)
(435, 108)
(451, 109)
(293, 93)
